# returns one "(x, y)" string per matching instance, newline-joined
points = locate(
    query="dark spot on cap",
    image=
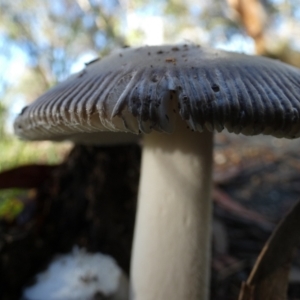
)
(98, 295)
(171, 59)
(185, 98)
(175, 49)
(157, 104)
(125, 46)
(160, 52)
(215, 87)
(154, 78)
(83, 72)
(120, 54)
(23, 110)
(151, 66)
(92, 61)
(149, 53)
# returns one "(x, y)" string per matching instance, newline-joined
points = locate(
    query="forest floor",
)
(90, 200)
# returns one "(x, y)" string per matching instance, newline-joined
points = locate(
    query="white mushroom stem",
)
(171, 252)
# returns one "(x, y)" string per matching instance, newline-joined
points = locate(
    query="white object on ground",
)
(80, 276)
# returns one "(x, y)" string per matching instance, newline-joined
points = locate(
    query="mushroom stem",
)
(171, 251)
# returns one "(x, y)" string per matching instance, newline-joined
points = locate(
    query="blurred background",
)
(43, 42)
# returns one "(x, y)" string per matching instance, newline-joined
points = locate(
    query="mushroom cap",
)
(137, 90)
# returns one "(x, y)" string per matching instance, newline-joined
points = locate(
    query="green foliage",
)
(10, 204)
(15, 152)
(2, 119)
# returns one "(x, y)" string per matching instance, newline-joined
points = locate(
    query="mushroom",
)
(176, 96)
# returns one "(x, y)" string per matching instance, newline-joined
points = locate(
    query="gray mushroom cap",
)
(137, 90)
